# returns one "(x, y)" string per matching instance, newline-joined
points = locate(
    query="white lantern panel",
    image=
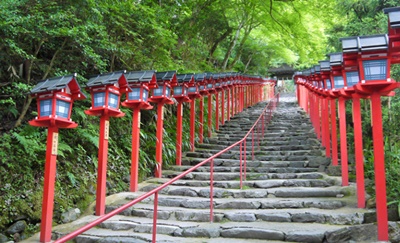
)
(62, 108)
(46, 107)
(375, 69)
(99, 99)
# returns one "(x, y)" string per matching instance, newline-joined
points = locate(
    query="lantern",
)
(55, 97)
(140, 82)
(180, 87)
(106, 90)
(336, 60)
(163, 92)
(394, 33)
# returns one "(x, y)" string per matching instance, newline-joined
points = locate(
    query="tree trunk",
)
(219, 40)
(248, 63)
(29, 99)
(232, 45)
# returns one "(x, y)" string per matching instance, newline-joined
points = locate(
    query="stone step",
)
(334, 216)
(264, 147)
(127, 229)
(218, 176)
(205, 153)
(193, 197)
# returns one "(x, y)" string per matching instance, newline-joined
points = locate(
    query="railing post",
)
(240, 165)
(252, 144)
(212, 190)
(245, 157)
(155, 215)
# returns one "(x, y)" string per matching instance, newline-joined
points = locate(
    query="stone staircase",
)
(286, 197)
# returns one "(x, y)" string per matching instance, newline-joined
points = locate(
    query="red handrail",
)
(269, 107)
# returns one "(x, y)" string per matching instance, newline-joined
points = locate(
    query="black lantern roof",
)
(56, 83)
(373, 42)
(394, 16)
(208, 75)
(105, 78)
(317, 69)
(199, 77)
(336, 59)
(140, 76)
(350, 44)
(325, 65)
(184, 77)
(166, 76)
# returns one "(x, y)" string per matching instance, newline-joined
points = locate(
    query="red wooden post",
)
(192, 123)
(334, 133)
(379, 162)
(159, 141)
(102, 166)
(222, 106)
(135, 150)
(209, 107)
(326, 122)
(343, 141)
(217, 110)
(212, 190)
(49, 181)
(358, 147)
(228, 107)
(201, 120)
(179, 134)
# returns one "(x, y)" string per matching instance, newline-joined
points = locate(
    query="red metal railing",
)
(264, 118)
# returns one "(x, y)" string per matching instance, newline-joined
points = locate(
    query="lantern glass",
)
(375, 69)
(46, 107)
(339, 82)
(99, 99)
(158, 91)
(168, 91)
(62, 108)
(145, 94)
(209, 86)
(352, 78)
(134, 94)
(113, 100)
(202, 87)
(192, 89)
(328, 84)
(178, 90)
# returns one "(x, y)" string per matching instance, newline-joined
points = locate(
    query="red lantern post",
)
(105, 90)
(200, 79)
(210, 84)
(55, 97)
(140, 82)
(161, 96)
(374, 65)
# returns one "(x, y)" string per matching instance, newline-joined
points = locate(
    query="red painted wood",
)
(102, 166)
(135, 150)
(343, 141)
(359, 155)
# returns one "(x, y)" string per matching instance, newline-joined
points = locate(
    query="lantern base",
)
(137, 104)
(104, 112)
(182, 99)
(347, 93)
(384, 88)
(163, 100)
(53, 122)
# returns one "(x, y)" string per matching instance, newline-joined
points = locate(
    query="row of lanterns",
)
(360, 71)
(55, 97)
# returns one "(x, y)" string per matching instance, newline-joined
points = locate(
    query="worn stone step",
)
(336, 216)
(126, 229)
(218, 176)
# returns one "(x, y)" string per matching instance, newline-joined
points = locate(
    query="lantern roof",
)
(325, 65)
(350, 44)
(188, 77)
(208, 76)
(199, 77)
(317, 69)
(168, 76)
(147, 77)
(336, 59)
(373, 42)
(108, 79)
(394, 16)
(58, 83)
